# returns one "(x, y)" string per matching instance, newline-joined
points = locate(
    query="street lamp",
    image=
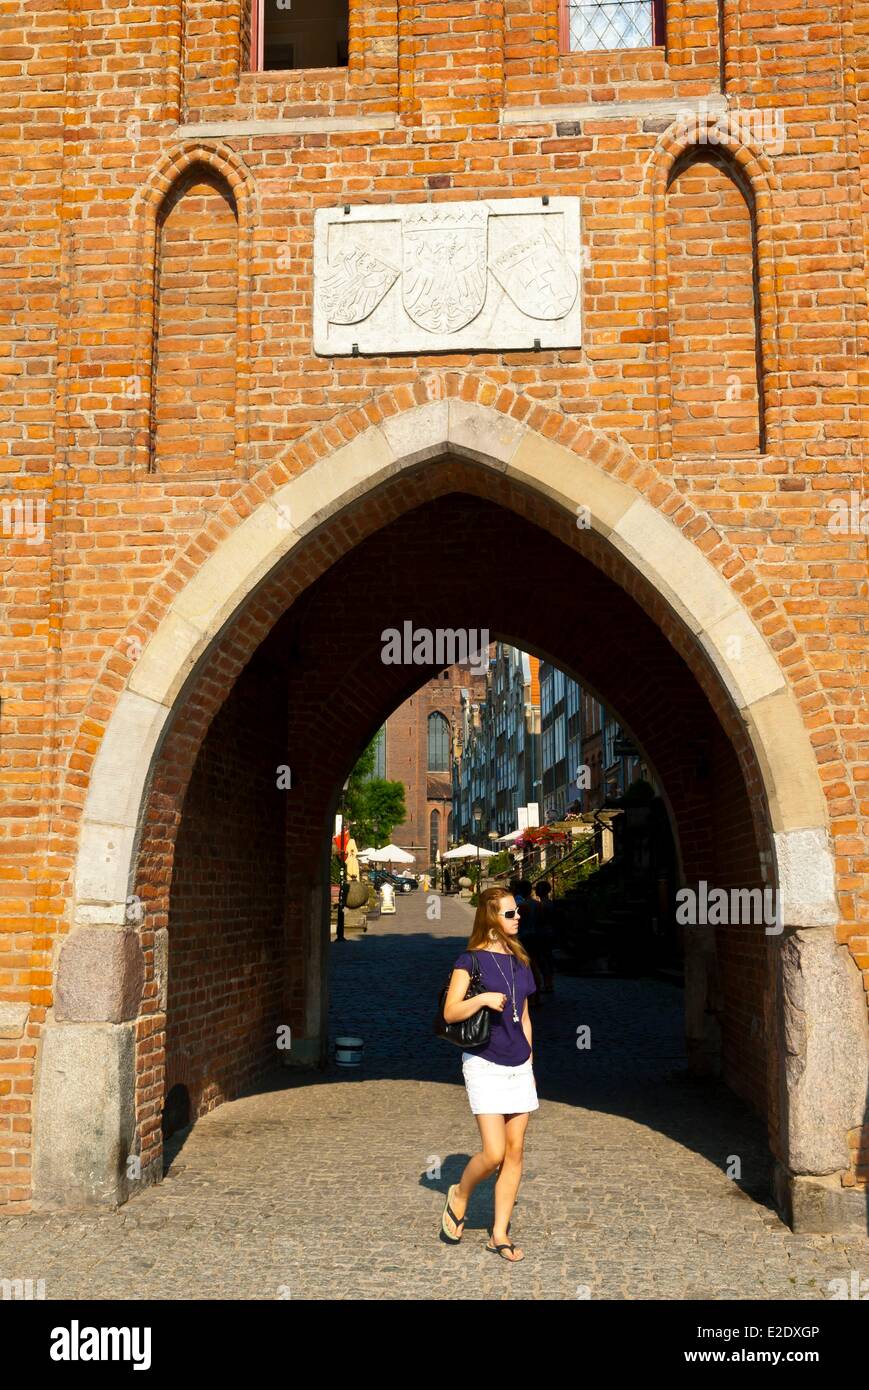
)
(493, 836)
(477, 813)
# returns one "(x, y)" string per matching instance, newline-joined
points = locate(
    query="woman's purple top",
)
(507, 1045)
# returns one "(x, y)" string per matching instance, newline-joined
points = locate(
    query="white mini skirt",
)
(497, 1090)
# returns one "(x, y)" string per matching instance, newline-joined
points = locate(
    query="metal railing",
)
(554, 871)
(557, 873)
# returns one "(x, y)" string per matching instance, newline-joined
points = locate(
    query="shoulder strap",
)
(475, 964)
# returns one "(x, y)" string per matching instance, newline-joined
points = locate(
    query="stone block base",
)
(84, 1117)
(821, 1205)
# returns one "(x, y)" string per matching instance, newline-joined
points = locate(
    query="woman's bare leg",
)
(482, 1165)
(508, 1181)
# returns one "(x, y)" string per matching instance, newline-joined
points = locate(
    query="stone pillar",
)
(823, 1040)
(85, 1123)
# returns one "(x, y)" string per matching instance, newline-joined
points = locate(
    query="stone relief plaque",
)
(447, 277)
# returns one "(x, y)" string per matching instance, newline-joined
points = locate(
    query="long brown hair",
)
(487, 921)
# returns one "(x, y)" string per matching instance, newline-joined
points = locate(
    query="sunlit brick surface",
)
(109, 180)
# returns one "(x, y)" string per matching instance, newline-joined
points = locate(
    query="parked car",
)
(404, 883)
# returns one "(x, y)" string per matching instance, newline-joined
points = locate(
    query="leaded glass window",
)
(608, 24)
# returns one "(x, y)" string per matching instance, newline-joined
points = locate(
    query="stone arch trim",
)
(658, 534)
(756, 168)
(224, 162)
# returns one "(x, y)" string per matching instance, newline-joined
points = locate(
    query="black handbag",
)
(469, 1032)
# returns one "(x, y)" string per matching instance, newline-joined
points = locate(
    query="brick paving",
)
(330, 1185)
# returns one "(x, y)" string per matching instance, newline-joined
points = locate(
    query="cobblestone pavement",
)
(330, 1185)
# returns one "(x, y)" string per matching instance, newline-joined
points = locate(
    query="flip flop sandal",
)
(457, 1220)
(496, 1250)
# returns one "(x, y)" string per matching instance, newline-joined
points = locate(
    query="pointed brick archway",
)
(80, 1160)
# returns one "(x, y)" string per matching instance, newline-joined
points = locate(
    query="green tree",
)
(382, 810)
(373, 806)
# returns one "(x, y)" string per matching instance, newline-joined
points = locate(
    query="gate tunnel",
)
(269, 654)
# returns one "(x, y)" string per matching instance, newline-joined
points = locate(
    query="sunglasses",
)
(511, 912)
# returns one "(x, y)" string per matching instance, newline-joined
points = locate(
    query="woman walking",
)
(499, 1077)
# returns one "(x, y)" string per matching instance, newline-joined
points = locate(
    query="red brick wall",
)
(226, 928)
(744, 960)
(32, 64)
(195, 340)
(712, 302)
(89, 148)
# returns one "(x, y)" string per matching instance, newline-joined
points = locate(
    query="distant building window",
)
(560, 742)
(438, 743)
(288, 34)
(379, 769)
(587, 25)
(434, 843)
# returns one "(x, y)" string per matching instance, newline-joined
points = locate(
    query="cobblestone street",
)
(331, 1185)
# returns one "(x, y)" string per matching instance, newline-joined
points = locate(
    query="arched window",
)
(438, 743)
(434, 835)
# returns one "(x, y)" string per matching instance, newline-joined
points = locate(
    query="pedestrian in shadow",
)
(528, 935)
(544, 934)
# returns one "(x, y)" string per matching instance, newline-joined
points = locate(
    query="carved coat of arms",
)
(444, 263)
(475, 275)
(537, 277)
(355, 285)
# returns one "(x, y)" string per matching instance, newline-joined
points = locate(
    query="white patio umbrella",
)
(390, 854)
(468, 852)
(508, 839)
